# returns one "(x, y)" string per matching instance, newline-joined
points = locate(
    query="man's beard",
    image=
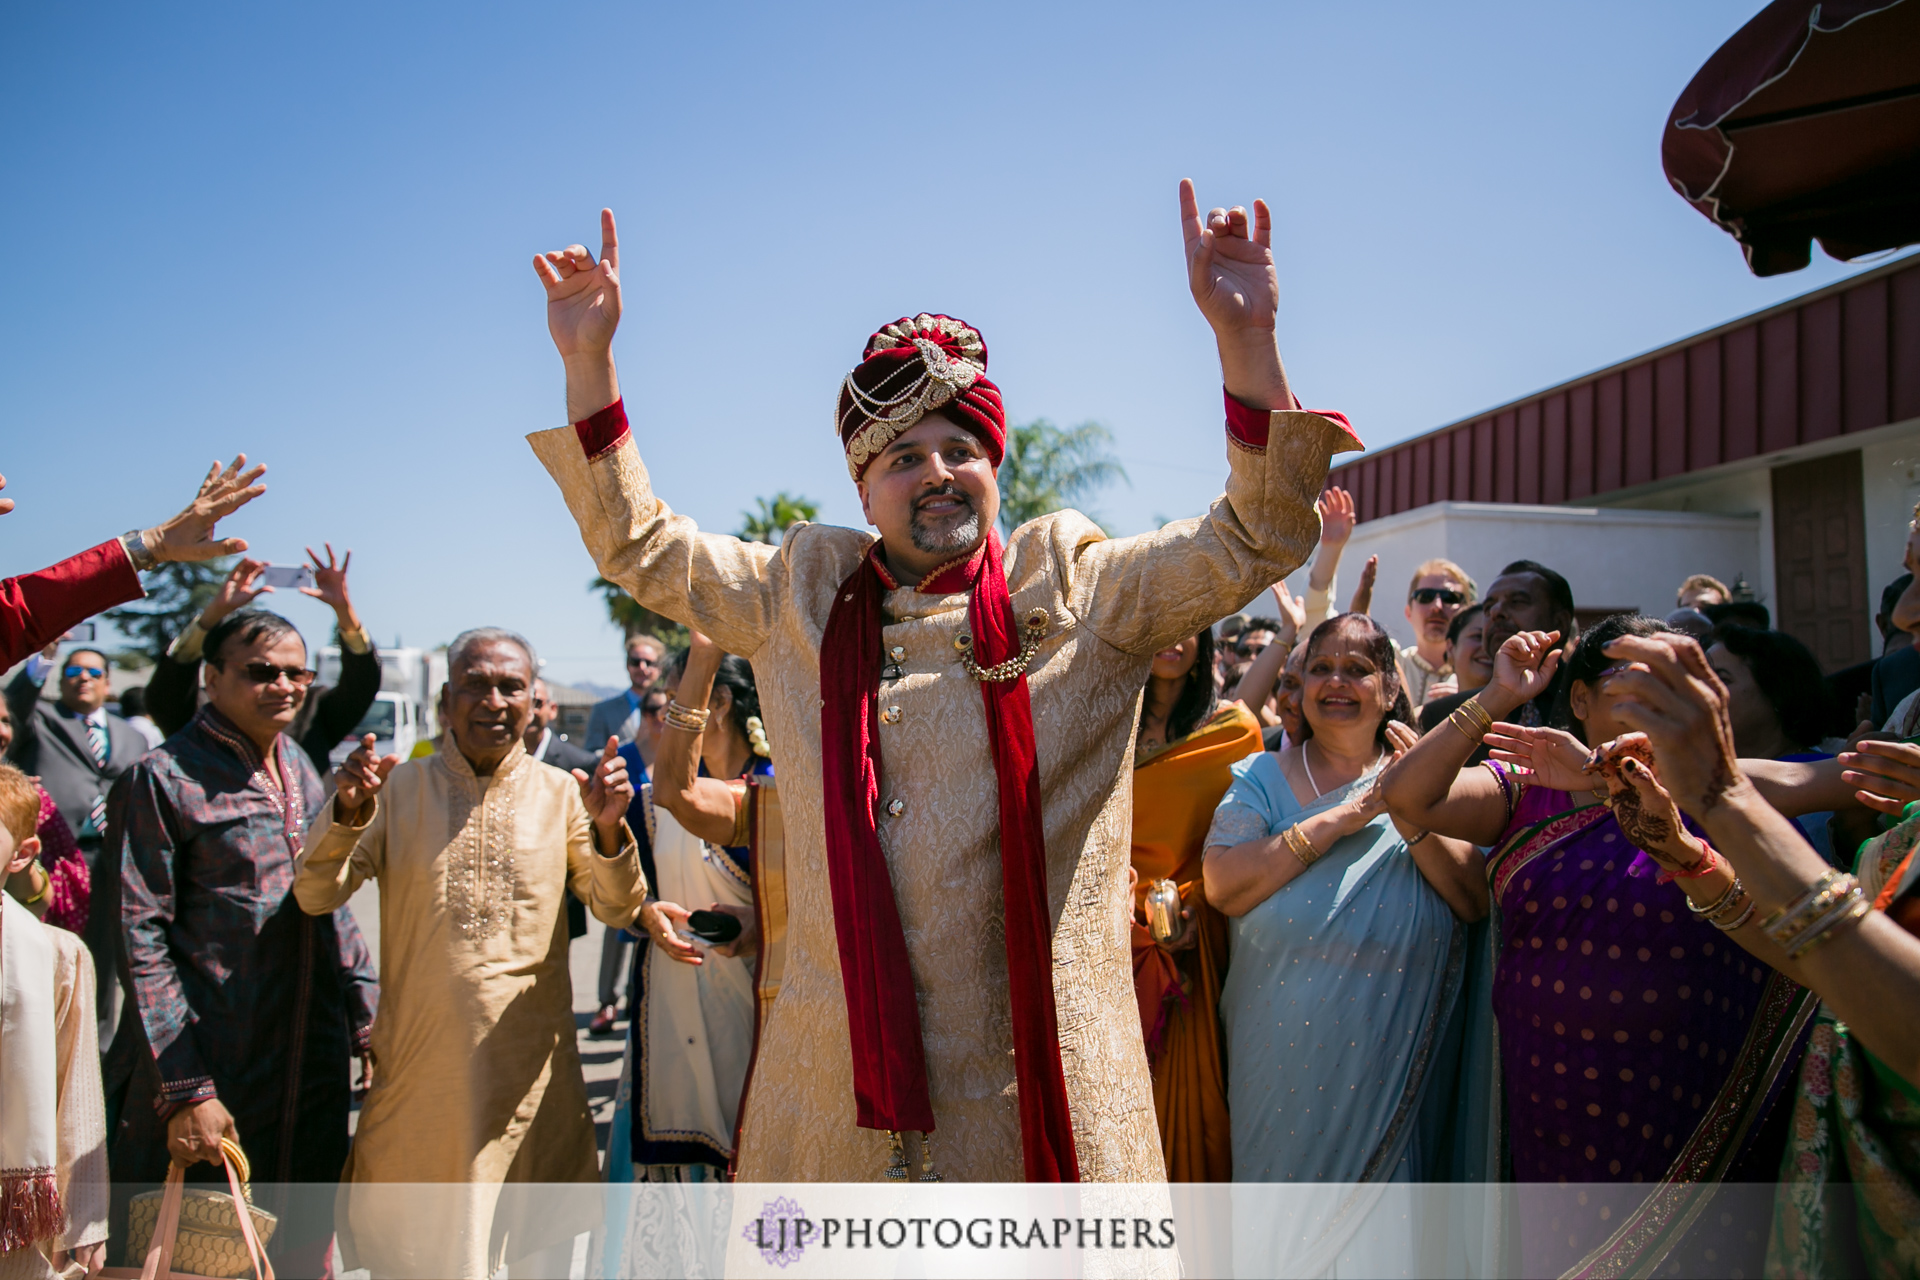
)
(955, 539)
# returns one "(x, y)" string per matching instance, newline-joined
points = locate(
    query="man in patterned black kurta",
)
(244, 1009)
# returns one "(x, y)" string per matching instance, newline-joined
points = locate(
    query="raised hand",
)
(607, 793)
(1337, 517)
(6, 504)
(1363, 592)
(330, 581)
(583, 294)
(1551, 758)
(1230, 263)
(358, 781)
(237, 591)
(1230, 271)
(1293, 613)
(1524, 667)
(189, 535)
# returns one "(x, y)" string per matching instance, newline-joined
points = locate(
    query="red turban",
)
(911, 368)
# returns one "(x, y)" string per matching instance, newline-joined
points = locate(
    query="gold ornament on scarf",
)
(1016, 666)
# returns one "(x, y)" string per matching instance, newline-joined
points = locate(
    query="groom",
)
(952, 722)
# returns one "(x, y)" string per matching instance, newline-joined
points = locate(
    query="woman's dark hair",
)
(1199, 693)
(1587, 661)
(735, 675)
(1385, 658)
(250, 626)
(1788, 675)
(1460, 621)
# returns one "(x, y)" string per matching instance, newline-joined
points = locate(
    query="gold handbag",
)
(186, 1231)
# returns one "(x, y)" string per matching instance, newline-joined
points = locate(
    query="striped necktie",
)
(102, 749)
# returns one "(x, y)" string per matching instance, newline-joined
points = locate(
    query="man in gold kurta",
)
(1098, 608)
(477, 1079)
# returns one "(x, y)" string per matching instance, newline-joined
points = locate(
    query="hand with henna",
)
(1678, 708)
(1644, 807)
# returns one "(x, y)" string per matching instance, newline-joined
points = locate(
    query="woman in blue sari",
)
(1348, 947)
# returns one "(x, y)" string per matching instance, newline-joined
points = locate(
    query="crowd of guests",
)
(1526, 902)
(1631, 904)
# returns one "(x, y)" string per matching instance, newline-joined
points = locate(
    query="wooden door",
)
(1820, 557)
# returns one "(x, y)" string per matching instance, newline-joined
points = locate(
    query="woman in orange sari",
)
(1186, 746)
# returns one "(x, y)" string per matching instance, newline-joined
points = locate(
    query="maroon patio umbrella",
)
(1806, 126)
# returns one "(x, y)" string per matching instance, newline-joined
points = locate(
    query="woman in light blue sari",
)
(1349, 945)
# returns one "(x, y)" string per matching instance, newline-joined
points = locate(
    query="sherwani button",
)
(898, 653)
(891, 715)
(896, 807)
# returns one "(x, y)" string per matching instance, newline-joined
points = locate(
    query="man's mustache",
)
(945, 491)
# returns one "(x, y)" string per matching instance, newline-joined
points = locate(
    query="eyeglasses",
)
(267, 673)
(1250, 650)
(76, 671)
(1445, 595)
(641, 660)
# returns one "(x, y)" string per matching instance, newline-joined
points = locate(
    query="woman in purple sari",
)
(1636, 1043)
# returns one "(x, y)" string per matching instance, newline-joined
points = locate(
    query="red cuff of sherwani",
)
(1248, 425)
(602, 433)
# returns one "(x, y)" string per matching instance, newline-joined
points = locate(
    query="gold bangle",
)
(1298, 844)
(1787, 925)
(1852, 907)
(1477, 713)
(686, 719)
(1468, 730)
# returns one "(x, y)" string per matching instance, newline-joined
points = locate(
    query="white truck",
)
(406, 711)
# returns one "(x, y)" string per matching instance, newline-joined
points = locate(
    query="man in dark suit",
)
(548, 747)
(75, 745)
(619, 716)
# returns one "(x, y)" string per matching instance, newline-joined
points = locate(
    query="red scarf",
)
(883, 1012)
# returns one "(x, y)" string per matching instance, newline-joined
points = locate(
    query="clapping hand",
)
(607, 793)
(1643, 806)
(1551, 758)
(359, 779)
(1525, 665)
(189, 535)
(1887, 774)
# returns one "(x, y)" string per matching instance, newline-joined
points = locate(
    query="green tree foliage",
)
(1047, 469)
(772, 517)
(635, 619)
(176, 593)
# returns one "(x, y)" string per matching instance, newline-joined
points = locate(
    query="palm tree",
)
(775, 515)
(1047, 468)
(635, 619)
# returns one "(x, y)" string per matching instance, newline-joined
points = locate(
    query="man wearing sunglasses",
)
(73, 743)
(1440, 589)
(620, 716)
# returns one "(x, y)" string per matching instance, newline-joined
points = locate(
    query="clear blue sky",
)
(305, 231)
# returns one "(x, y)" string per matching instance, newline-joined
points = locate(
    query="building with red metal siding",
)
(1806, 416)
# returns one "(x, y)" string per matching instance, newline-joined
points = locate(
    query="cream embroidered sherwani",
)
(82, 1168)
(1112, 605)
(477, 1077)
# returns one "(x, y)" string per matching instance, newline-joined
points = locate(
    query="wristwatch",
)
(135, 543)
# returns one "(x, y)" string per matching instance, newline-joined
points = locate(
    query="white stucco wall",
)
(1620, 558)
